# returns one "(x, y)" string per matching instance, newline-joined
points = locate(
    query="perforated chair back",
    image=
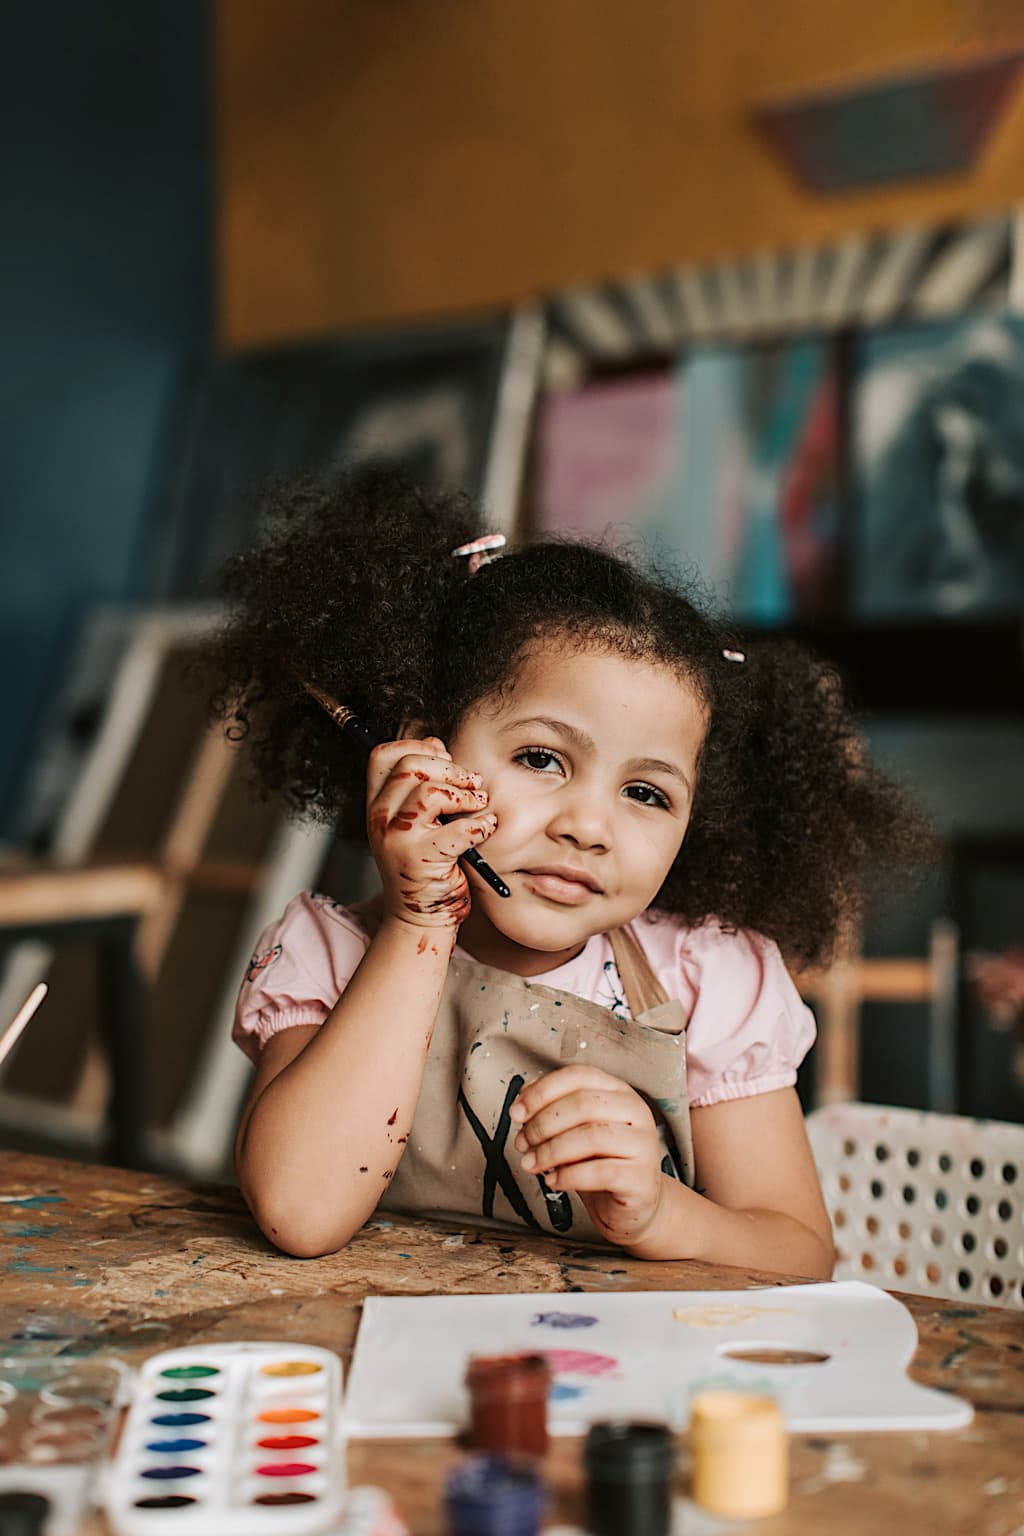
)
(924, 1202)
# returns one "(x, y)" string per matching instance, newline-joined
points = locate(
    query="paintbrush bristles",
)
(338, 712)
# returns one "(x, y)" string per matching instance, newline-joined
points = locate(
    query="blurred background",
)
(745, 282)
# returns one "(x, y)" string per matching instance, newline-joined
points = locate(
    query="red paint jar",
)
(509, 1403)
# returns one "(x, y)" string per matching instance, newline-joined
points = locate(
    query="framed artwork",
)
(937, 464)
(424, 399)
(727, 463)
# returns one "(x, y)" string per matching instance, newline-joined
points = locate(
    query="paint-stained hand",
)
(410, 786)
(585, 1130)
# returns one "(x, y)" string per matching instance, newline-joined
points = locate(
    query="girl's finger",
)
(435, 801)
(559, 1084)
(414, 802)
(608, 1139)
(464, 833)
(584, 1107)
(600, 1175)
(416, 832)
(407, 762)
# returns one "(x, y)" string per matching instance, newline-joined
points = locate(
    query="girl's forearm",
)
(689, 1226)
(323, 1140)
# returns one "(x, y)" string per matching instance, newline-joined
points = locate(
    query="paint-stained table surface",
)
(102, 1260)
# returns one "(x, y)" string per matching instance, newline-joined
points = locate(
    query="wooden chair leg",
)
(838, 1079)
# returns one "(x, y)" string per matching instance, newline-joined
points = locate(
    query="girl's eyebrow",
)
(581, 739)
(570, 732)
(656, 765)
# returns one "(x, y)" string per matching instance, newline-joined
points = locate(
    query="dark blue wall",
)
(105, 288)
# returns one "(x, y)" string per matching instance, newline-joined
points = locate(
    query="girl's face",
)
(590, 762)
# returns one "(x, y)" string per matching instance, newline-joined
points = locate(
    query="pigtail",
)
(791, 819)
(346, 591)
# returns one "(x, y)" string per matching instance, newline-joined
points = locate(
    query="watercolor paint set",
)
(57, 1422)
(232, 1438)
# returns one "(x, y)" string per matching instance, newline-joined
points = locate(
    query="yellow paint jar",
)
(740, 1454)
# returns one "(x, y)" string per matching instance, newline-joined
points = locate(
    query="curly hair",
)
(354, 590)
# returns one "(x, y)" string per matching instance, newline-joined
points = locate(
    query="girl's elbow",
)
(301, 1237)
(293, 1226)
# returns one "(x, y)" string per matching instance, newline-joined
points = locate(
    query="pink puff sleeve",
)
(299, 968)
(749, 1028)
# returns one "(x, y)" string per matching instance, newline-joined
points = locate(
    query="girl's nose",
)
(581, 819)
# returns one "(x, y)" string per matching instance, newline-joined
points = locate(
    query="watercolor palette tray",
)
(834, 1355)
(231, 1438)
(57, 1418)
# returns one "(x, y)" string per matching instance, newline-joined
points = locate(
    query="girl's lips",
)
(568, 893)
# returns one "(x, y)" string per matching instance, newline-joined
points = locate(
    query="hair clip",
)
(734, 655)
(478, 550)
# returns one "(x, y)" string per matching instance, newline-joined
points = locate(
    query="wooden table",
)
(100, 1259)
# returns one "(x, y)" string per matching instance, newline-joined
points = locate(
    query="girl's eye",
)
(646, 794)
(539, 759)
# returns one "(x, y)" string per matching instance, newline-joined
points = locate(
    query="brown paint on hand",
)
(421, 946)
(394, 1117)
(364, 1169)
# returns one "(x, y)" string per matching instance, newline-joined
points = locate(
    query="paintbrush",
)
(9, 1038)
(353, 728)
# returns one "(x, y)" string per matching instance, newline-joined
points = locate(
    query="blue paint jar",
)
(629, 1478)
(491, 1496)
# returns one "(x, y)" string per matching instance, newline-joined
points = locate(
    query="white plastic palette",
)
(232, 1438)
(56, 1420)
(835, 1356)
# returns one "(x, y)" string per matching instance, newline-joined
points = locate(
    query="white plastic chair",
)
(924, 1202)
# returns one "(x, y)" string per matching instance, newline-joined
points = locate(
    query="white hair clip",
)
(734, 655)
(479, 551)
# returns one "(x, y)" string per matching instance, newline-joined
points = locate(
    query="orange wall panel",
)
(389, 160)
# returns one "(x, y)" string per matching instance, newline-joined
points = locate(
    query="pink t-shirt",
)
(748, 1029)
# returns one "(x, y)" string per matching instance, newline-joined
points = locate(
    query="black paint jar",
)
(629, 1478)
(22, 1514)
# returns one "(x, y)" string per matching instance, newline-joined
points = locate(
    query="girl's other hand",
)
(585, 1130)
(411, 785)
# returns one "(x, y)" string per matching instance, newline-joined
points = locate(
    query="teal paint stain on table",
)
(31, 1202)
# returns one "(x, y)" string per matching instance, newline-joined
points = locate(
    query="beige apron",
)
(494, 1032)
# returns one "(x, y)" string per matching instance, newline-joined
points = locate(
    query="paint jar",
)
(22, 1514)
(740, 1454)
(494, 1496)
(629, 1478)
(508, 1397)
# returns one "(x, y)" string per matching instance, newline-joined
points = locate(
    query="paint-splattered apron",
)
(494, 1032)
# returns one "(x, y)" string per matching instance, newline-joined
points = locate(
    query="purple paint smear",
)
(562, 1320)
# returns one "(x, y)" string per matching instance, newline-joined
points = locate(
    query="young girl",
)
(608, 1052)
